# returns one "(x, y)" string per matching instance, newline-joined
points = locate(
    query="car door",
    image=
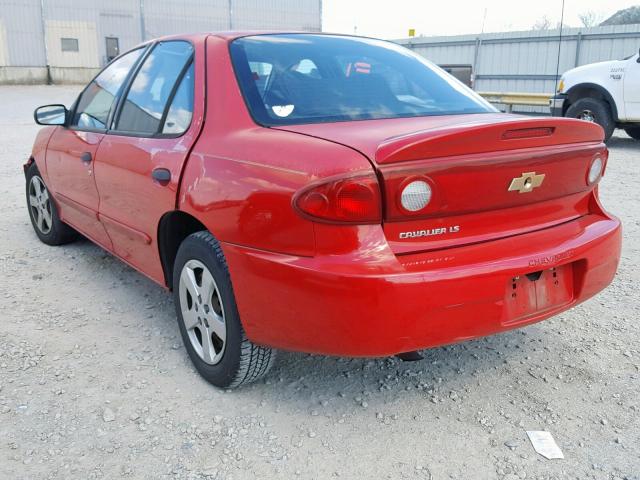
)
(139, 162)
(72, 149)
(632, 88)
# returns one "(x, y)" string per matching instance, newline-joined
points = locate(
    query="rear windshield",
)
(305, 78)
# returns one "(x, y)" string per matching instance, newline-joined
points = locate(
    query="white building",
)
(69, 40)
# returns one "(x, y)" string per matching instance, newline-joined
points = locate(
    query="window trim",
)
(123, 95)
(114, 114)
(174, 91)
(74, 107)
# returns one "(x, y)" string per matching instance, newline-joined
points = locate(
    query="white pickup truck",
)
(607, 93)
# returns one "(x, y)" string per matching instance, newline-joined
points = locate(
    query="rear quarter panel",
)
(240, 177)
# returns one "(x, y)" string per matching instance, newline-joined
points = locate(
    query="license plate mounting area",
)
(536, 292)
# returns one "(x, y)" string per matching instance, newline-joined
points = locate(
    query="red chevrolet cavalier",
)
(322, 193)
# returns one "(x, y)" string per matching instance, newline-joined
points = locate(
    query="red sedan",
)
(322, 193)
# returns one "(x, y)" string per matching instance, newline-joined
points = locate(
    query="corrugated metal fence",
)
(527, 61)
(77, 31)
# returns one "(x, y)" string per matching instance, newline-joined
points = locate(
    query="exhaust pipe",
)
(410, 356)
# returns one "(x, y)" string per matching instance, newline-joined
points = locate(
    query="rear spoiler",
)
(481, 137)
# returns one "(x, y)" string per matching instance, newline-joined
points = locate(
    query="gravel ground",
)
(95, 383)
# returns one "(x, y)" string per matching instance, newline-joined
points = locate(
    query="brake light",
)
(528, 133)
(342, 200)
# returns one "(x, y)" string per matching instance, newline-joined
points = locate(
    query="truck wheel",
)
(208, 317)
(593, 110)
(633, 132)
(43, 212)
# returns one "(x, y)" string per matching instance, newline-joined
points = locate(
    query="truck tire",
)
(633, 132)
(208, 317)
(593, 110)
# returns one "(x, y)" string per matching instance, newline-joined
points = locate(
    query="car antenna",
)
(555, 83)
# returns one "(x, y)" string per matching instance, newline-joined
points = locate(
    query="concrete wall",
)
(22, 75)
(31, 30)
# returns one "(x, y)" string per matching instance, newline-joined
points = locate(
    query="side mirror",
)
(51, 115)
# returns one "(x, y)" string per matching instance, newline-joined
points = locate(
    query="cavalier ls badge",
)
(526, 182)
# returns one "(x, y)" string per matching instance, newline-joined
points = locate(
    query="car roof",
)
(231, 35)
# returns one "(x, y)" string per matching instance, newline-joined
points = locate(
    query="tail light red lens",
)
(343, 200)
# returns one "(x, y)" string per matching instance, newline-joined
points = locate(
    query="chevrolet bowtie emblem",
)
(526, 182)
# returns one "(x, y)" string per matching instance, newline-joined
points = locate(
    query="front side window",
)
(308, 78)
(153, 87)
(95, 103)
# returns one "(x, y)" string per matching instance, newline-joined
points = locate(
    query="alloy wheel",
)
(202, 311)
(40, 205)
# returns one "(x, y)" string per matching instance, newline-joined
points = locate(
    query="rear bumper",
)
(556, 104)
(343, 305)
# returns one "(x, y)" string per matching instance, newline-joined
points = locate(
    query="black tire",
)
(599, 110)
(633, 132)
(52, 231)
(241, 361)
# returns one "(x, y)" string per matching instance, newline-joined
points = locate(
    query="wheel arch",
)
(591, 90)
(27, 165)
(173, 228)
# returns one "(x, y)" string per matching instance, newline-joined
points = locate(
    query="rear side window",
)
(181, 108)
(95, 103)
(329, 78)
(153, 89)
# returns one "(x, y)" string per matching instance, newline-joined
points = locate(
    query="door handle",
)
(161, 175)
(86, 157)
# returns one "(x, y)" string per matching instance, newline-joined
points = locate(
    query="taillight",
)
(596, 167)
(342, 200)
(410, 195)
(415, 195)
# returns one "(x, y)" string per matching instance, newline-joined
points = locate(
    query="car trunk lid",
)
(491, 175)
